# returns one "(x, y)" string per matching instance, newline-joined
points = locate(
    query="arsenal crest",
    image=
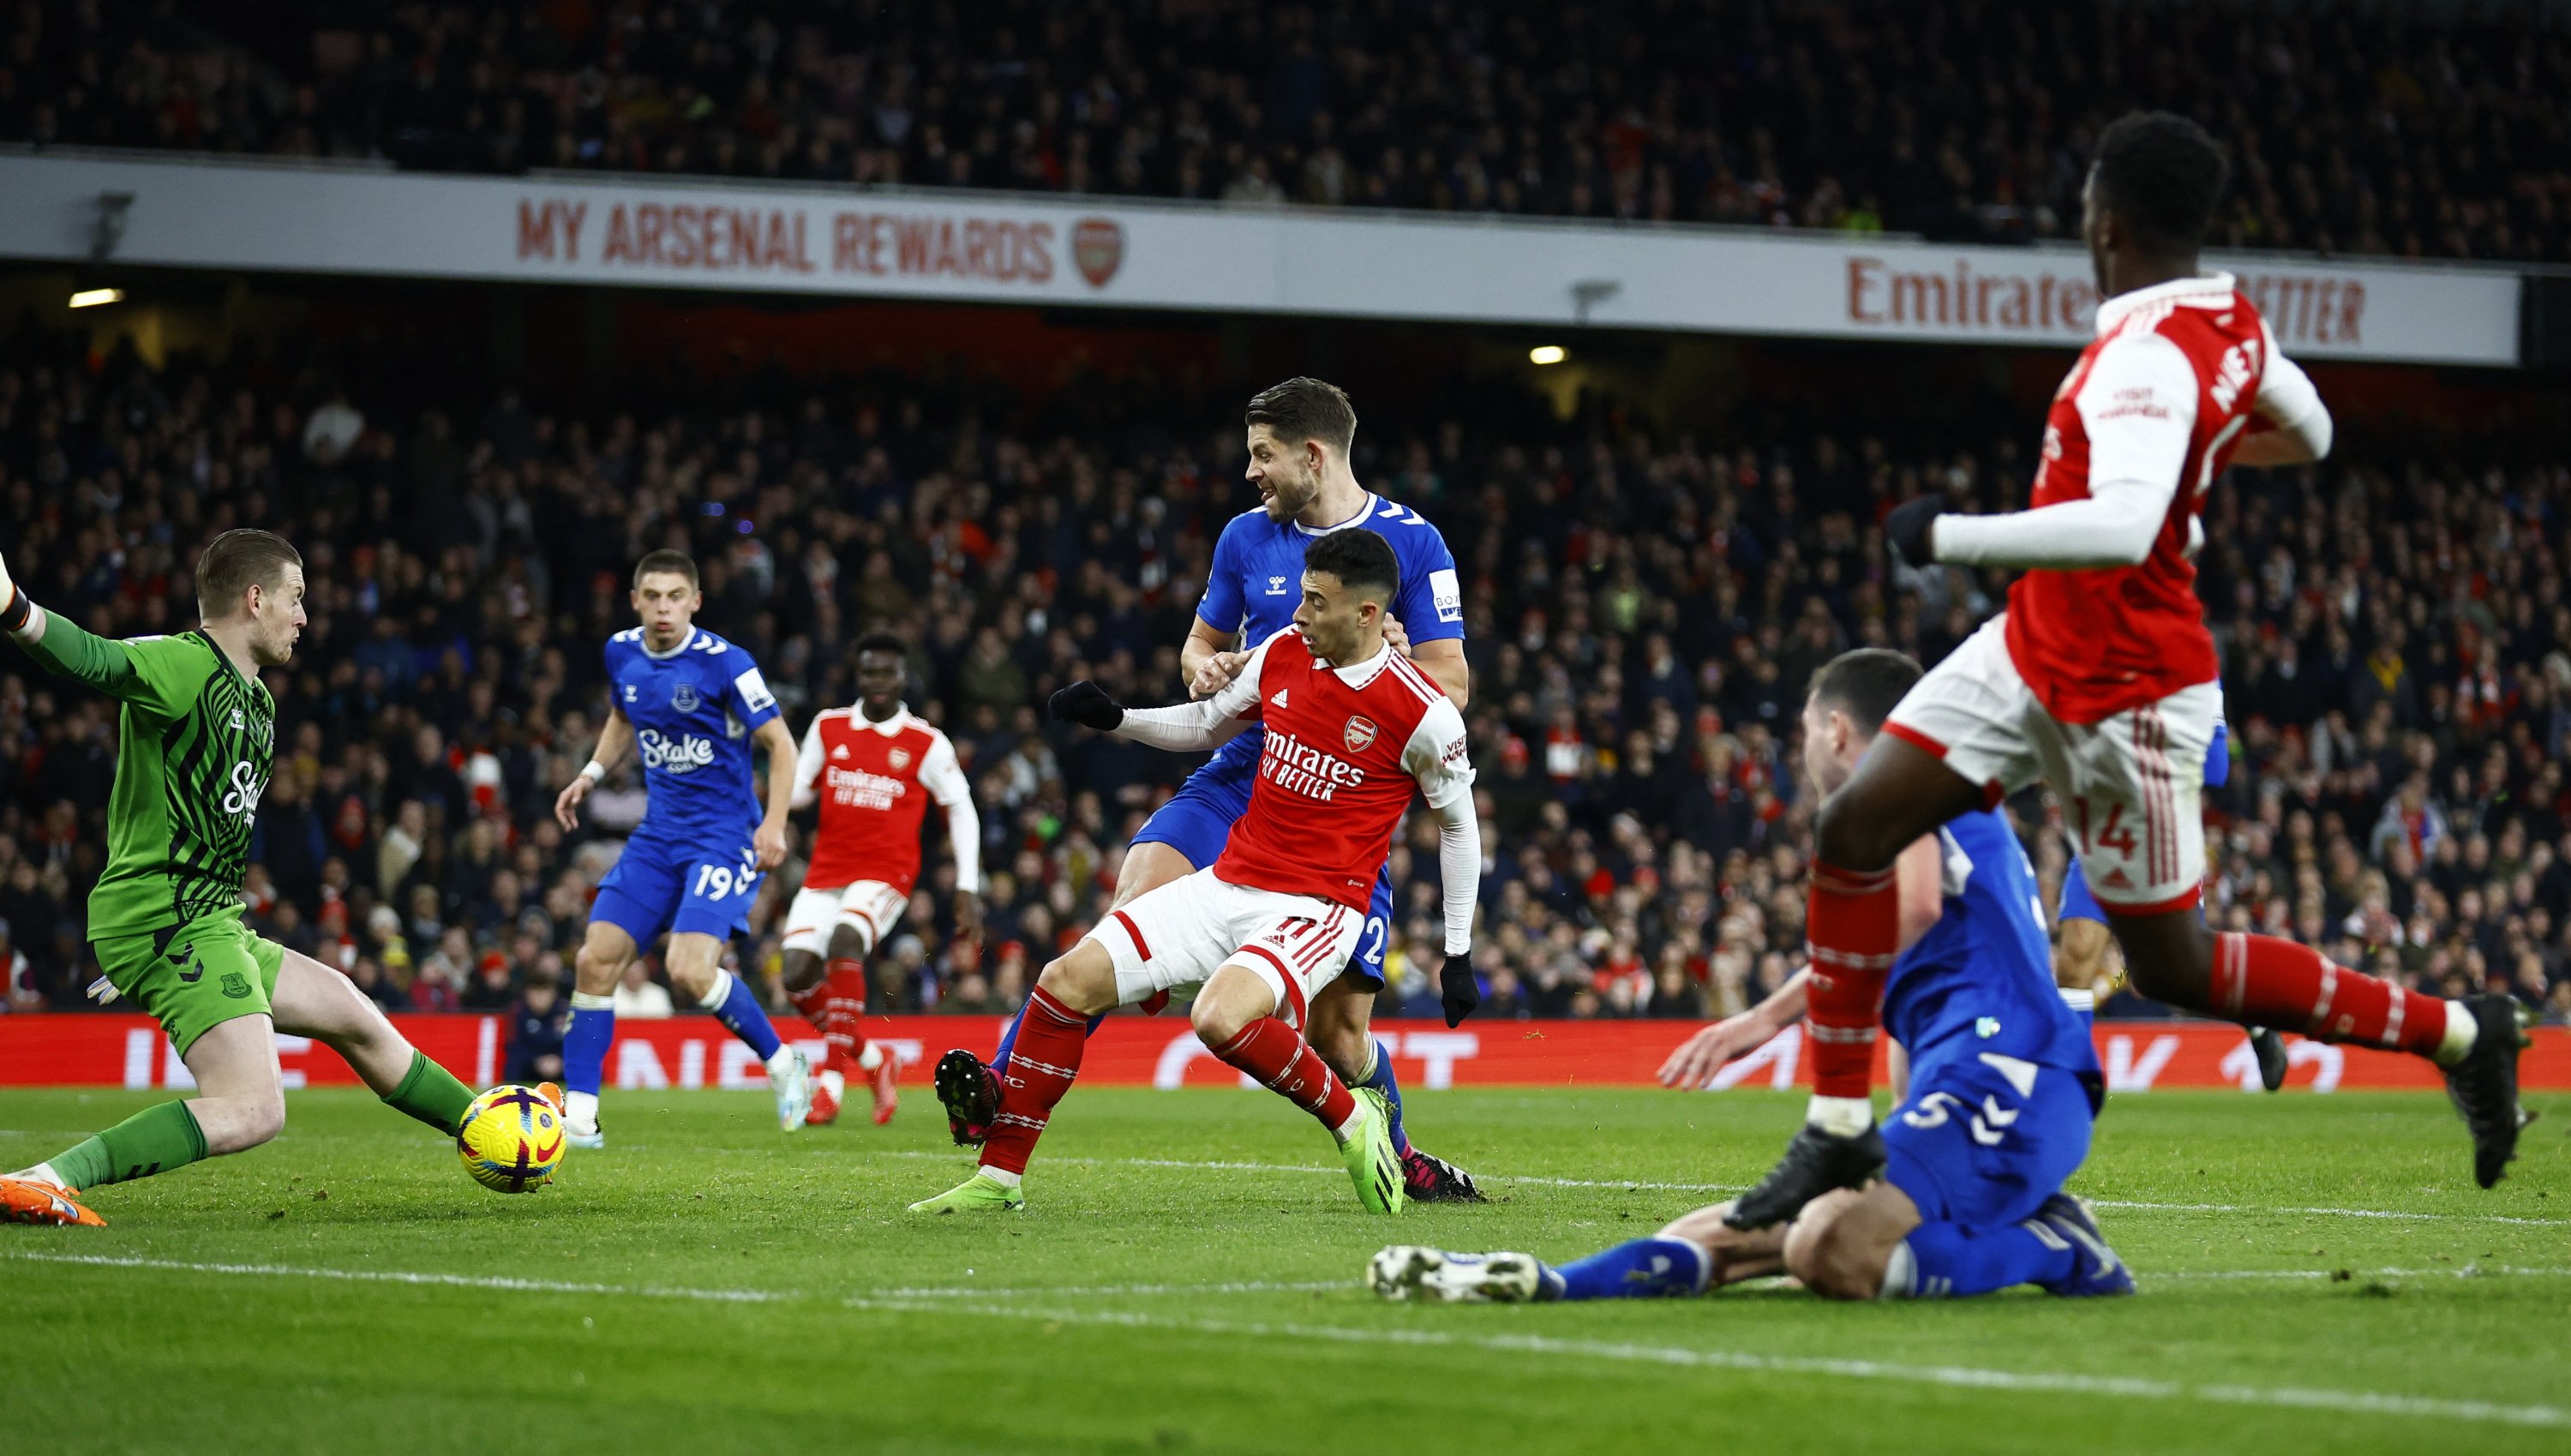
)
(1358, 735)
(1098, 250)
(898, 760)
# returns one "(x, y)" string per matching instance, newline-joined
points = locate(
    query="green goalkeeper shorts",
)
(193, 977)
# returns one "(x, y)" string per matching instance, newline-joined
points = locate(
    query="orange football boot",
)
(25, 1201)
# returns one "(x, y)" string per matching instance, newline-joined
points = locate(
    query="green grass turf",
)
(708, 1285)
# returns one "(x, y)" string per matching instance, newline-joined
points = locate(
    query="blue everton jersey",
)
(693, 709)
(1257, 581)
(1982, 979)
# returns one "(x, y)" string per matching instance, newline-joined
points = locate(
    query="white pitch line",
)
(2460, 1271)
(2016, 1381)
(2332, 1213)
(2039, 1382)
(1728, 1187)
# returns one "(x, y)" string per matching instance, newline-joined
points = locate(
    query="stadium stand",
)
(1644, 611)
(2426, 130)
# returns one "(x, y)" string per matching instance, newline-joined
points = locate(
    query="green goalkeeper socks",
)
(431, 1094)
(155, 1139)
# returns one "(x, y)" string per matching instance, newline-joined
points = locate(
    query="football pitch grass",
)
(2317, 1274)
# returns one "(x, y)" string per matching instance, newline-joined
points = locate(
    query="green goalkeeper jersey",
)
(196, 739)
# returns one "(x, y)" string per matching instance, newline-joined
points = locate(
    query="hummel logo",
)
(1279, 700)
(838, 750)
(194, 971)
(1277, 586)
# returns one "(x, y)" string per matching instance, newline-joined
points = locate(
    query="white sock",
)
(717, 990)
(2462, 1030)
(42, 1173)
(1002, 1175)
(1841, 1117)
(580, 1109)
(784, 1058)
(871, 1058)
(1346, 1131)
(1901, 1273)
(835, 1083)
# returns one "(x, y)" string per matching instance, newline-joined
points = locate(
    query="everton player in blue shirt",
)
(1300, 433)
(693, 705)
(2002, 1091)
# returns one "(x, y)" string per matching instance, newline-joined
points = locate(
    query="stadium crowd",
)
(2428, 131)
(1644, 611)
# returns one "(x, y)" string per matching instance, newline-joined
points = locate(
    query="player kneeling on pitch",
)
(196, 736)
(1351, 726)
(2003, 1087)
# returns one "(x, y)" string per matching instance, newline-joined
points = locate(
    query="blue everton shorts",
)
(1986, 1139)
(699, 884)
(2077, 902)
(1198, 821)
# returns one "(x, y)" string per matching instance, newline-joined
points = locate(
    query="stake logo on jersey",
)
(1413, 738)
(873, 782)
(692, 710)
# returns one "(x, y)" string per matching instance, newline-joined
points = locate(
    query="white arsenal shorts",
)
(1180, 934)
(870, 907)
(2131, 786)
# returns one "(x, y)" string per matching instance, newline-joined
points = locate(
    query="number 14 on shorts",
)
(2113, 834)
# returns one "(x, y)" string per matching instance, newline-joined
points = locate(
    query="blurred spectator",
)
(641, 996)
(2427, 130)
(536, 1026)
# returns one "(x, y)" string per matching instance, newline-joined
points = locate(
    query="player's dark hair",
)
(881, 641)
(666, 560)
(1361, 559)
(1865, 684)
(1303, 408)
(237, 561)
(2162, 174)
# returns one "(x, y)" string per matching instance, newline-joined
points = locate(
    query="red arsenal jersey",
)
(1344, 749)
(873, 781)
(2168, 385)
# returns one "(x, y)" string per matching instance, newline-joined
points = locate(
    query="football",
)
(511, 1139)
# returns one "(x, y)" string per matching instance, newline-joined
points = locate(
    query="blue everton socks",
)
(735, 1008)
(584, 1054)
(1379, 1077)
(1951, 1260)
(1642, 1268)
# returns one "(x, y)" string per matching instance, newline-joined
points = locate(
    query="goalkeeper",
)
(197, 735)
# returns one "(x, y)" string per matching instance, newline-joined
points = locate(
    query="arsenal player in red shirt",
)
(872, 769)
(1352, 729)
(2101, 681)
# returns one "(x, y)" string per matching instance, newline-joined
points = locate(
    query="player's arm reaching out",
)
(2139, 405)
(1188, 728)
(614, 741)
(65, 650)
(1918, 879)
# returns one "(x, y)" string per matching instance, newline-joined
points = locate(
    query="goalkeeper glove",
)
(1086, 703)
(1457, 991)
(1909, 528)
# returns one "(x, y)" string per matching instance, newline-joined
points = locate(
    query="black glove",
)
(1907, 528)
(1086, 703)
(1457, 990)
